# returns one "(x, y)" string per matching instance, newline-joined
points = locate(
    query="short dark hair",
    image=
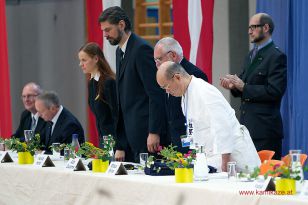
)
(267, 19)
(114, 15)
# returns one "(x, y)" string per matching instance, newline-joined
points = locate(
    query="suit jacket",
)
(25, 124)
(104, 110)
(139, 97)
(175, 117)
(66, 125)
(265, 81)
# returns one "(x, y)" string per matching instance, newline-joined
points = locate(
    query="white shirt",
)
(36, 116)
(55, 118)
(215, 125)
(123, 48)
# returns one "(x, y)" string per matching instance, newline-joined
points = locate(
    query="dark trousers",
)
(274, 144)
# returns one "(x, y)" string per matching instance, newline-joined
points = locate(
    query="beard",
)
(115, 41)
(259, 38)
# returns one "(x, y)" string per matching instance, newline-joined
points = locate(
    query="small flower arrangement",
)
(16, 145)
(285, 172)
(90, 151)
(108, 142)
(175, 159)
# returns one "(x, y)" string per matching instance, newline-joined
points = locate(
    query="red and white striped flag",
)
(193, 28)
(5, 102)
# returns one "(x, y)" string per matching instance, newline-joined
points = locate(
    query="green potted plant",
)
(25, 150)
(100, 156)
(182, 164)
(286, 180)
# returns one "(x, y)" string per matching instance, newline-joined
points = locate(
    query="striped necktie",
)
(33, 123)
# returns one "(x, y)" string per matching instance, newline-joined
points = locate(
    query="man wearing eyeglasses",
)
(30, 119)
(261, 86)
(212, 121)
(169, 49)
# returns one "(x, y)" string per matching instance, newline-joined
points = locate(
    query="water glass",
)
(2, 146)
(29, 134)
(232, 170)
(56, 150)
(143, 158)
(67, 154)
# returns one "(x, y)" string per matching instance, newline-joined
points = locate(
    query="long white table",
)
(26, 184)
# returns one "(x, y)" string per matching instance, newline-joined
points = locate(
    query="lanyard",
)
(185, 103)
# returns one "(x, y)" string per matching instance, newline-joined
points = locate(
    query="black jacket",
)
(140, 100)
(25, 124)
(104, 110)
(265, 81)
(66, 125)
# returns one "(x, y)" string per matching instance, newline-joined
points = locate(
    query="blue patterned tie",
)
(254, 53)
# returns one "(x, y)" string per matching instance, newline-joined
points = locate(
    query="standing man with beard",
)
(261, 86)
(140, 101)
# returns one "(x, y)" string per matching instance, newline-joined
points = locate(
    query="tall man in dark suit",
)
(261, 86)
(61, 123)
(169, 49)
(30, 119)
(140, 123)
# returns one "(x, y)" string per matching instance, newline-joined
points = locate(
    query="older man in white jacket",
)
(211, 120)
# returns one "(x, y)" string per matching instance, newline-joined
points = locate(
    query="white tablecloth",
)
(26, 184)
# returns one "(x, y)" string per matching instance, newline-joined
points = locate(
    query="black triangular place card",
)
(43, 161)
(75, 165)
(5, 157)
(265, 184)
(116, 168)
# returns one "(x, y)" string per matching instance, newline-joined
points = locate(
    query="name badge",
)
(186, 141)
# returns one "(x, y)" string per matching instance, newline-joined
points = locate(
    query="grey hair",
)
(36, 87)
(170, 44)
(174, 68)
(49, 98)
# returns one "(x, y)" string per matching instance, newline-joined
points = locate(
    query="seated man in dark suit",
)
(61, 123)
(169, 49)
(30, 119)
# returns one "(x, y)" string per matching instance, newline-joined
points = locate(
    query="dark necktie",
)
(121, 57)
(48, 133)
(254, 53)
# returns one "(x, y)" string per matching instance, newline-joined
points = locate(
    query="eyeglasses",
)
(254, 27)
(30, 97)
(159, 59)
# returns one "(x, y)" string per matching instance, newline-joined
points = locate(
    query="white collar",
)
(95, 76)
(55, 118)
(123, 48)
(36, 116)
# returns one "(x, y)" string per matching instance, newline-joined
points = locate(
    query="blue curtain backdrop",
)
(290, 18)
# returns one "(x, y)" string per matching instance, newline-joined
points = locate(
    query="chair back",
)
(268, 165)
(287, 159)
(265, 155)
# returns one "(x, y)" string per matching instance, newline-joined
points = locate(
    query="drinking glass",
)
(56, 150)
(143, 158)
(29, 134)
(2, 146)
(67, 154)
(232, 170)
